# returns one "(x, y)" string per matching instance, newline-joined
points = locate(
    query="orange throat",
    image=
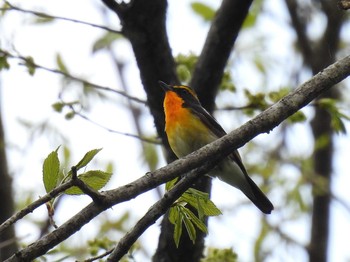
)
(174, 111)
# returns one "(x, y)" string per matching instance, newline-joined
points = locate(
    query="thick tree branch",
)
(262, 123)
(217, 48)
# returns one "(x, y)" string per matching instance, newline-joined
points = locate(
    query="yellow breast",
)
(185, 131)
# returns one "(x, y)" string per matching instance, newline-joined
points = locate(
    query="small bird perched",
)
(189, 127)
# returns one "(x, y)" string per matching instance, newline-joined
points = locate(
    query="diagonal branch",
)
(263, 123)
(30, 208)
(217, 48)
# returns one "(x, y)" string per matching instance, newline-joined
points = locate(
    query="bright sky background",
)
(30, 99)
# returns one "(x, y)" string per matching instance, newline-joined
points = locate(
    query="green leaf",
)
(337, 117)
(96, 179)
(3, 62)
(60, 64)
(105, 41)
(87, 158)
(51, 169)
(4, 8)
(29, 63)
(200, 201)
(253, 14)
(227, 82)
(196, 221)
(191, 231)
(43, 20)
(177, 222)
(203, 10)
(322, 142)
(170, 184)
(69, 115)
(185, 65)
(150, 156)
(216, 255)
(275, 96)
(297, 117)
(58, 106)
(256, 100)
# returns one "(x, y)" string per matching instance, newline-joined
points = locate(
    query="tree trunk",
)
(318, 55)
(8, 243)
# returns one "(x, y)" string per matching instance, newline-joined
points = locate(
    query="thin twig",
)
(44, 15)
(99, 256)
(42, 200)
(30, 62)
(152, 141)
(95, 195)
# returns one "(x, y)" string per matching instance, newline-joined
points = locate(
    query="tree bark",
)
(8, 243)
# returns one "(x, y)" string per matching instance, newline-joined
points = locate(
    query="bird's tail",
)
(258, 198)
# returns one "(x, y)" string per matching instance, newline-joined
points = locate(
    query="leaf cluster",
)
(53, 175)
(180, 215)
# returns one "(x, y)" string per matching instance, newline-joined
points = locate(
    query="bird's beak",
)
(165, 86)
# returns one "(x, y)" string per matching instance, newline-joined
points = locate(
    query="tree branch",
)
(44, 15)
(29, 62)
(299, 25)
(30, 208)
(219, 149)
(217, 48)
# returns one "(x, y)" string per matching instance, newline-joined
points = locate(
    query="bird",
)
(189, 126)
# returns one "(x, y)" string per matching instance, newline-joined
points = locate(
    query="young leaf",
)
(150, 156)
(61, 65)
(200, 201)
(96, 179)
(215, 254)
(170, 184)
(297, 117)
(205, 11)
(29, 62)
(3, 62)
(43, 20)
(105, 41)
(87, 158)
(177, 216)
(195, 220)
(191, 231)
(51, 168)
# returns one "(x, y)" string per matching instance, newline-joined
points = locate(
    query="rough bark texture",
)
(318, 55)
(7, 238)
